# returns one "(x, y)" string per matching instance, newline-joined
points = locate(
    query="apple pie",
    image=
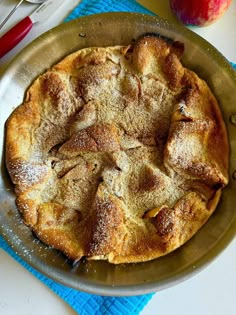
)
(118, 153)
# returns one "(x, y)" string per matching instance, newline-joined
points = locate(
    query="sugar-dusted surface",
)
(119, 131)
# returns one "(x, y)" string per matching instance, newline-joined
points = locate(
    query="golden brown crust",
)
(99, 137)
(114, 152)
(106, 224)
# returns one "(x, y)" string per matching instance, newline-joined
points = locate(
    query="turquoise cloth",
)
(84, 303)
(233, 65)
(87, 7)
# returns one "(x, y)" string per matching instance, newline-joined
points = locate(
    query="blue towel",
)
(84, 303)
(233, 65)
(87, 7)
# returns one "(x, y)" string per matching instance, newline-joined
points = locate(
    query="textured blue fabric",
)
(84, 303)
(233, 65)
(87, 7)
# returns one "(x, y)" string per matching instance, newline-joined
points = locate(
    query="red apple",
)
(199, 12)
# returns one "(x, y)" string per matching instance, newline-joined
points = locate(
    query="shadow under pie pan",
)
(100, 277)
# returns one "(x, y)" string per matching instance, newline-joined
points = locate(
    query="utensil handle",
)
(15, 35)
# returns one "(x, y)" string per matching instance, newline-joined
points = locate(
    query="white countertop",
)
(211, 292)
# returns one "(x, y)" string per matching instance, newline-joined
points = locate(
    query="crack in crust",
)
(114, 152)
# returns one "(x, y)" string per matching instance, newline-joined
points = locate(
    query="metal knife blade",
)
(45, 10)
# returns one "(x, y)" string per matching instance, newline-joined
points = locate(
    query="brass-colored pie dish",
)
(91, 276)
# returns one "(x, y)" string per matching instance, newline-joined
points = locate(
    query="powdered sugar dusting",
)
(26, 174)
(102, 147)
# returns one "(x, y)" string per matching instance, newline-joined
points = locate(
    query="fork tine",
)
(10, 14)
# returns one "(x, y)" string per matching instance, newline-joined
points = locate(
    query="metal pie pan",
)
(100, 277)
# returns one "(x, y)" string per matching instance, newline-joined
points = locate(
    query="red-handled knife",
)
(10, 39)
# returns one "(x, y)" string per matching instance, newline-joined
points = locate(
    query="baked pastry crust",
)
(114, 152)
